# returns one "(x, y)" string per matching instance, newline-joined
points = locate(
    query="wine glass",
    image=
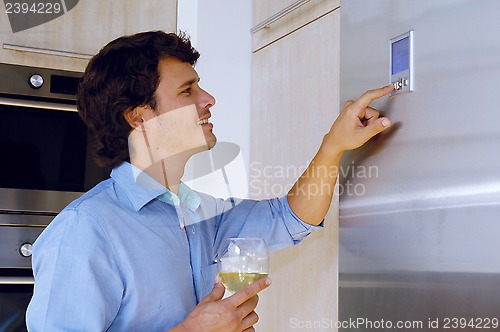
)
(242, 261)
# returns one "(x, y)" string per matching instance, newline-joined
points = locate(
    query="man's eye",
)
(188, 90)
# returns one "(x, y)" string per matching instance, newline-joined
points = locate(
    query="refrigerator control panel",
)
(401, 63)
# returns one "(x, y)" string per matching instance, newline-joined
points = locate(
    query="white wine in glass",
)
(242, 261)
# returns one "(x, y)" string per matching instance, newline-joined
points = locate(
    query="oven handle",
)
(17, 280)
(37, 104)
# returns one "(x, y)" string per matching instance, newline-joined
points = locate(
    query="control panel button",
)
(25, 249)
(398, 85)
(36, 81)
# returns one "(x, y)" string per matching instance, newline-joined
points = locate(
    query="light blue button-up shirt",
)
(119, 259)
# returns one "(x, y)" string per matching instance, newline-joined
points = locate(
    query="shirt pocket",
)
(207, 275)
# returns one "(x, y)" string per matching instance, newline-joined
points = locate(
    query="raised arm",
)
(311, 195)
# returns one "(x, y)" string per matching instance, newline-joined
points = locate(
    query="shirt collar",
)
(186, 196)
(141, 188)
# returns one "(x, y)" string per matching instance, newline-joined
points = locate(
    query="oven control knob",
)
(25, 249)
(36, 81)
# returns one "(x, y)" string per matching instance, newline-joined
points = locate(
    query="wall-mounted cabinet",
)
(273, 20)
(83, 30)
(295, 100)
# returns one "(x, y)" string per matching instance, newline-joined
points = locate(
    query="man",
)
(137, 252)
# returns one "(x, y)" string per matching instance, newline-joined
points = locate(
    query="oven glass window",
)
(14, 300)
(42, 149)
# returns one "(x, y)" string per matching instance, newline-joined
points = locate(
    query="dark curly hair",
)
(122, 76)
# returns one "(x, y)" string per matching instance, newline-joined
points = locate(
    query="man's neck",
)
(167, 172)
(165, 165)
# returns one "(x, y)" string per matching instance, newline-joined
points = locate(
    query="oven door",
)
(18, 231)
(47, 148)
(16, 290)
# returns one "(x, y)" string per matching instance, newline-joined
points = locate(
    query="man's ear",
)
(134, 117)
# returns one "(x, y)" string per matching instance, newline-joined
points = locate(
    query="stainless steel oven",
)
(46, 162)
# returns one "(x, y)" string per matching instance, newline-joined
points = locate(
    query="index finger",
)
(371, 95)
(248, 292)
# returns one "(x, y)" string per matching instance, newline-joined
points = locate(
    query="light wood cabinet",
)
(85, 29)
(295, 102)
(297, 15)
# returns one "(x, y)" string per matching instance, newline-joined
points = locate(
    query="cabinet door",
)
(286, 17)
(295, 101)
(85, 29)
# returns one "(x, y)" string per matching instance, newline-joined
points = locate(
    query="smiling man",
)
(176, 128)
(137, 252)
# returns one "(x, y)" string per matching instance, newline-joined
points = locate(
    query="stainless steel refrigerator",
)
(420, 203)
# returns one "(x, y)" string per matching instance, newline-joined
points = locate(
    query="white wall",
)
(220, 31)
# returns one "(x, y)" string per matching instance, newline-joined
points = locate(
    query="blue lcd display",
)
(400, 55)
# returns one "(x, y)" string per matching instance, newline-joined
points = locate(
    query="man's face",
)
(182, 109)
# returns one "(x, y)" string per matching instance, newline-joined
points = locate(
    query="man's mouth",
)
(202, 122)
